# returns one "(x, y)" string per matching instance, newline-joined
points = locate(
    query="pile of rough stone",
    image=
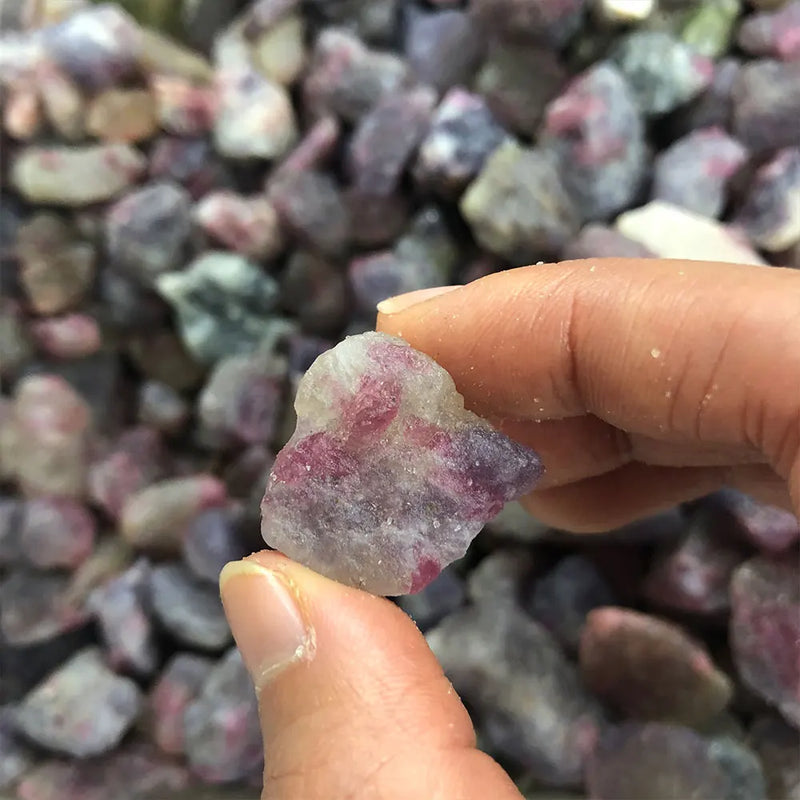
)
(200, 197)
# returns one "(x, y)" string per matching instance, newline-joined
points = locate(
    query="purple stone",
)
(315, 291)
(375, 415)
(649, 669)
(135, 460)
(97, 47)
(147, 231)
(777, 745)
(765, 631)
(82, 709)
(693, 574)
(463, 134)
(346, 79)
(386, 138)
(35, 607)
(526, 697)
(597, 133)
(120, 607)
(695, 171)
(312, 209)
(597, 241)
(766, 98)
(190, 162)
(550, 22)
(162, 408)
(221, 728)
(241, 401)
(714, 107)
(769, 215)
(654, 761)
(376, 221)
(375, 277)
(562, 598)
(774, 34)
(444, 595)
(211, 540)
(56, 533)
(189, 609)
(443, 48)
(177, 688)
(505, 82)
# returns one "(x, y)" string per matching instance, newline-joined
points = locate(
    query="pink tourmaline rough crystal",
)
(387, 477)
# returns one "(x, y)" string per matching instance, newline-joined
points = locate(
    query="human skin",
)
(640, 383)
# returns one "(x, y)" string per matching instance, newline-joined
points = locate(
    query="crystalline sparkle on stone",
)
(387, 477)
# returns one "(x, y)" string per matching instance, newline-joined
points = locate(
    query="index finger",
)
(694, 351)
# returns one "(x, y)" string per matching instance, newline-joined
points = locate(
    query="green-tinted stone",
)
(709, 29)
(223, 303)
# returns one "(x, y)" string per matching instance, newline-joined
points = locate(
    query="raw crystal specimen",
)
(68, 337)
(463, 134)
(437, 600)
(380, 275)
(518, 207)
(222, 733)
(770, 214)
(693, 574)
(222, 301)
(122, 115)
(386, 138)
(190, 162)
(314, 289)
(56, 532)
(505, 82)
(527, 697)
(246, 225)
(768, 527)
(766, 111)
(241, 402)
(597, 134)
(663, 72)
(183, 107)
(443, 48)
(51, 425)
(56, 268)
(76, 176)
(178, 687)
(311, 207)
(501, 577)
(765, 631)
(162, 407)
(83, 709)
(597, 241)
(120, 607)
(777, 745)
(190, 610)
(35, 607)
(134, 460)
(562, 599)
(649, 669)
(776, 34)
(658, 762)
(210, 541)
(714, 107)
(347, 79)
(694, 172)
(551, 22)
(147, 230)
(387, 478)
(154, 518)
(701, 238)
(255, 118)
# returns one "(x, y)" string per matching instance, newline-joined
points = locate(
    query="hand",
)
(640, 383)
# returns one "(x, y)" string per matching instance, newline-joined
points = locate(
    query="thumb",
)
(352, 702)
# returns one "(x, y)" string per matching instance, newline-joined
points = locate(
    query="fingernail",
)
(265, 618)
(401, 302)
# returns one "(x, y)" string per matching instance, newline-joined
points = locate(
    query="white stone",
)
(673, 232)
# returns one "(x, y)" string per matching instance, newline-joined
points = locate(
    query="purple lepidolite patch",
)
(387, 477)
